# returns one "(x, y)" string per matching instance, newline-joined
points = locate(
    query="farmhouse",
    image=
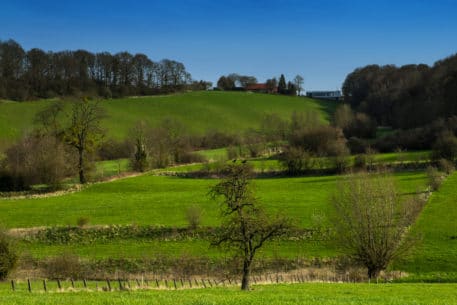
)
(325, 95)
(261, 88)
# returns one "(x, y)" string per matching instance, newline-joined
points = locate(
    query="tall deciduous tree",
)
(84, 132)
(245, 226)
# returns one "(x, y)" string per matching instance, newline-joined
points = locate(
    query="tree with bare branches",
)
(371, 221)
(84, 132)
(245, 227)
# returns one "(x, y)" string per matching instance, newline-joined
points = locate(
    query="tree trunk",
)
(246, 275)
(82, 176)
(373, 273)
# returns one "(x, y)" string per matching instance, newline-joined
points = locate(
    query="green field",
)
(303, 294)
(438, 225)
(199, 112)
(148, 199)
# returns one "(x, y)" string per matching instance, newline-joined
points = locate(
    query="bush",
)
(113, 149)
(37, 159)
(320, 140)
(65, 266)
(193, 216)
(360, 161)
(191, 157)
(8, 255)
(446, 166)
(435, 178)
(233, 152)
(445, 147)
(82, 221)
(296, 160)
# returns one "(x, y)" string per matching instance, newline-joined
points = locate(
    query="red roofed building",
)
(262, 88)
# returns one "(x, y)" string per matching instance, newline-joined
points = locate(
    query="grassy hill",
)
(149, 199)
(437, 224)
(198, 111)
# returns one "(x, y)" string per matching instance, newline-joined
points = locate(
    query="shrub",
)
(191, 157)
(112, 149)
(193, 216)
(435, 178)
(233, 152)
(445, 147)
(360, 161)
(65, 266)
(37, 159)
(296, 160)
(446, 166)
(82, 221)
(8, 255)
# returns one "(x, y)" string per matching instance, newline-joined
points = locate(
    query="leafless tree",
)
(371, 221)
(245, 226)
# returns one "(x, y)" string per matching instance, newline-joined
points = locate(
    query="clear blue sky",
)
(321, 40)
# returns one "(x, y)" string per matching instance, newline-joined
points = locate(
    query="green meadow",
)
(148, 199)
(199, 112)
(282, 294)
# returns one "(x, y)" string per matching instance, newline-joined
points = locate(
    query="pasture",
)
(148, 199)
(283, 294)
(198, 112)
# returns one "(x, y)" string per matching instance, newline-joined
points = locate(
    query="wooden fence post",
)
(44, 286)
(120, 284)
(157, 283)
(29, 285)
(13, 285)
(109, 284)
(58, 284)
(84, 283)
(174, 282)
(72, 283)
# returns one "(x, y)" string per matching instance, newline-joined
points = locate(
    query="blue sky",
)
(322, 40)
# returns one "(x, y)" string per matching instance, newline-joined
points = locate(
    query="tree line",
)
(404, 97)
(234, 81)
(32, 74)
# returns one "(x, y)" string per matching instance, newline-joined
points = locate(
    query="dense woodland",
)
(32, 74)
(404, 97)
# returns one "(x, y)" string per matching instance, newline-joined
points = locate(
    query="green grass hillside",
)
(437, 252)
(198, 111)
(150, 199)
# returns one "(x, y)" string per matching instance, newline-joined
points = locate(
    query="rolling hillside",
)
(197, 111)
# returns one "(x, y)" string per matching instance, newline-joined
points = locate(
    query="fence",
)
(173, 284)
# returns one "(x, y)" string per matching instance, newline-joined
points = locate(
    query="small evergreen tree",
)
(282, 86)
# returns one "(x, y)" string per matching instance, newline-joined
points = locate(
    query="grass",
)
(283, 294)
(111, 168)
(218, 154)
(197, 111)
(437, 224)
(149, 199)
(143, 248)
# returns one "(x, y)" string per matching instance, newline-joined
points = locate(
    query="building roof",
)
(257, 87)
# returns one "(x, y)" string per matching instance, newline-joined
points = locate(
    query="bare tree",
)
(84, 132)
(245, 227)
(371, 222)
(298, 82)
